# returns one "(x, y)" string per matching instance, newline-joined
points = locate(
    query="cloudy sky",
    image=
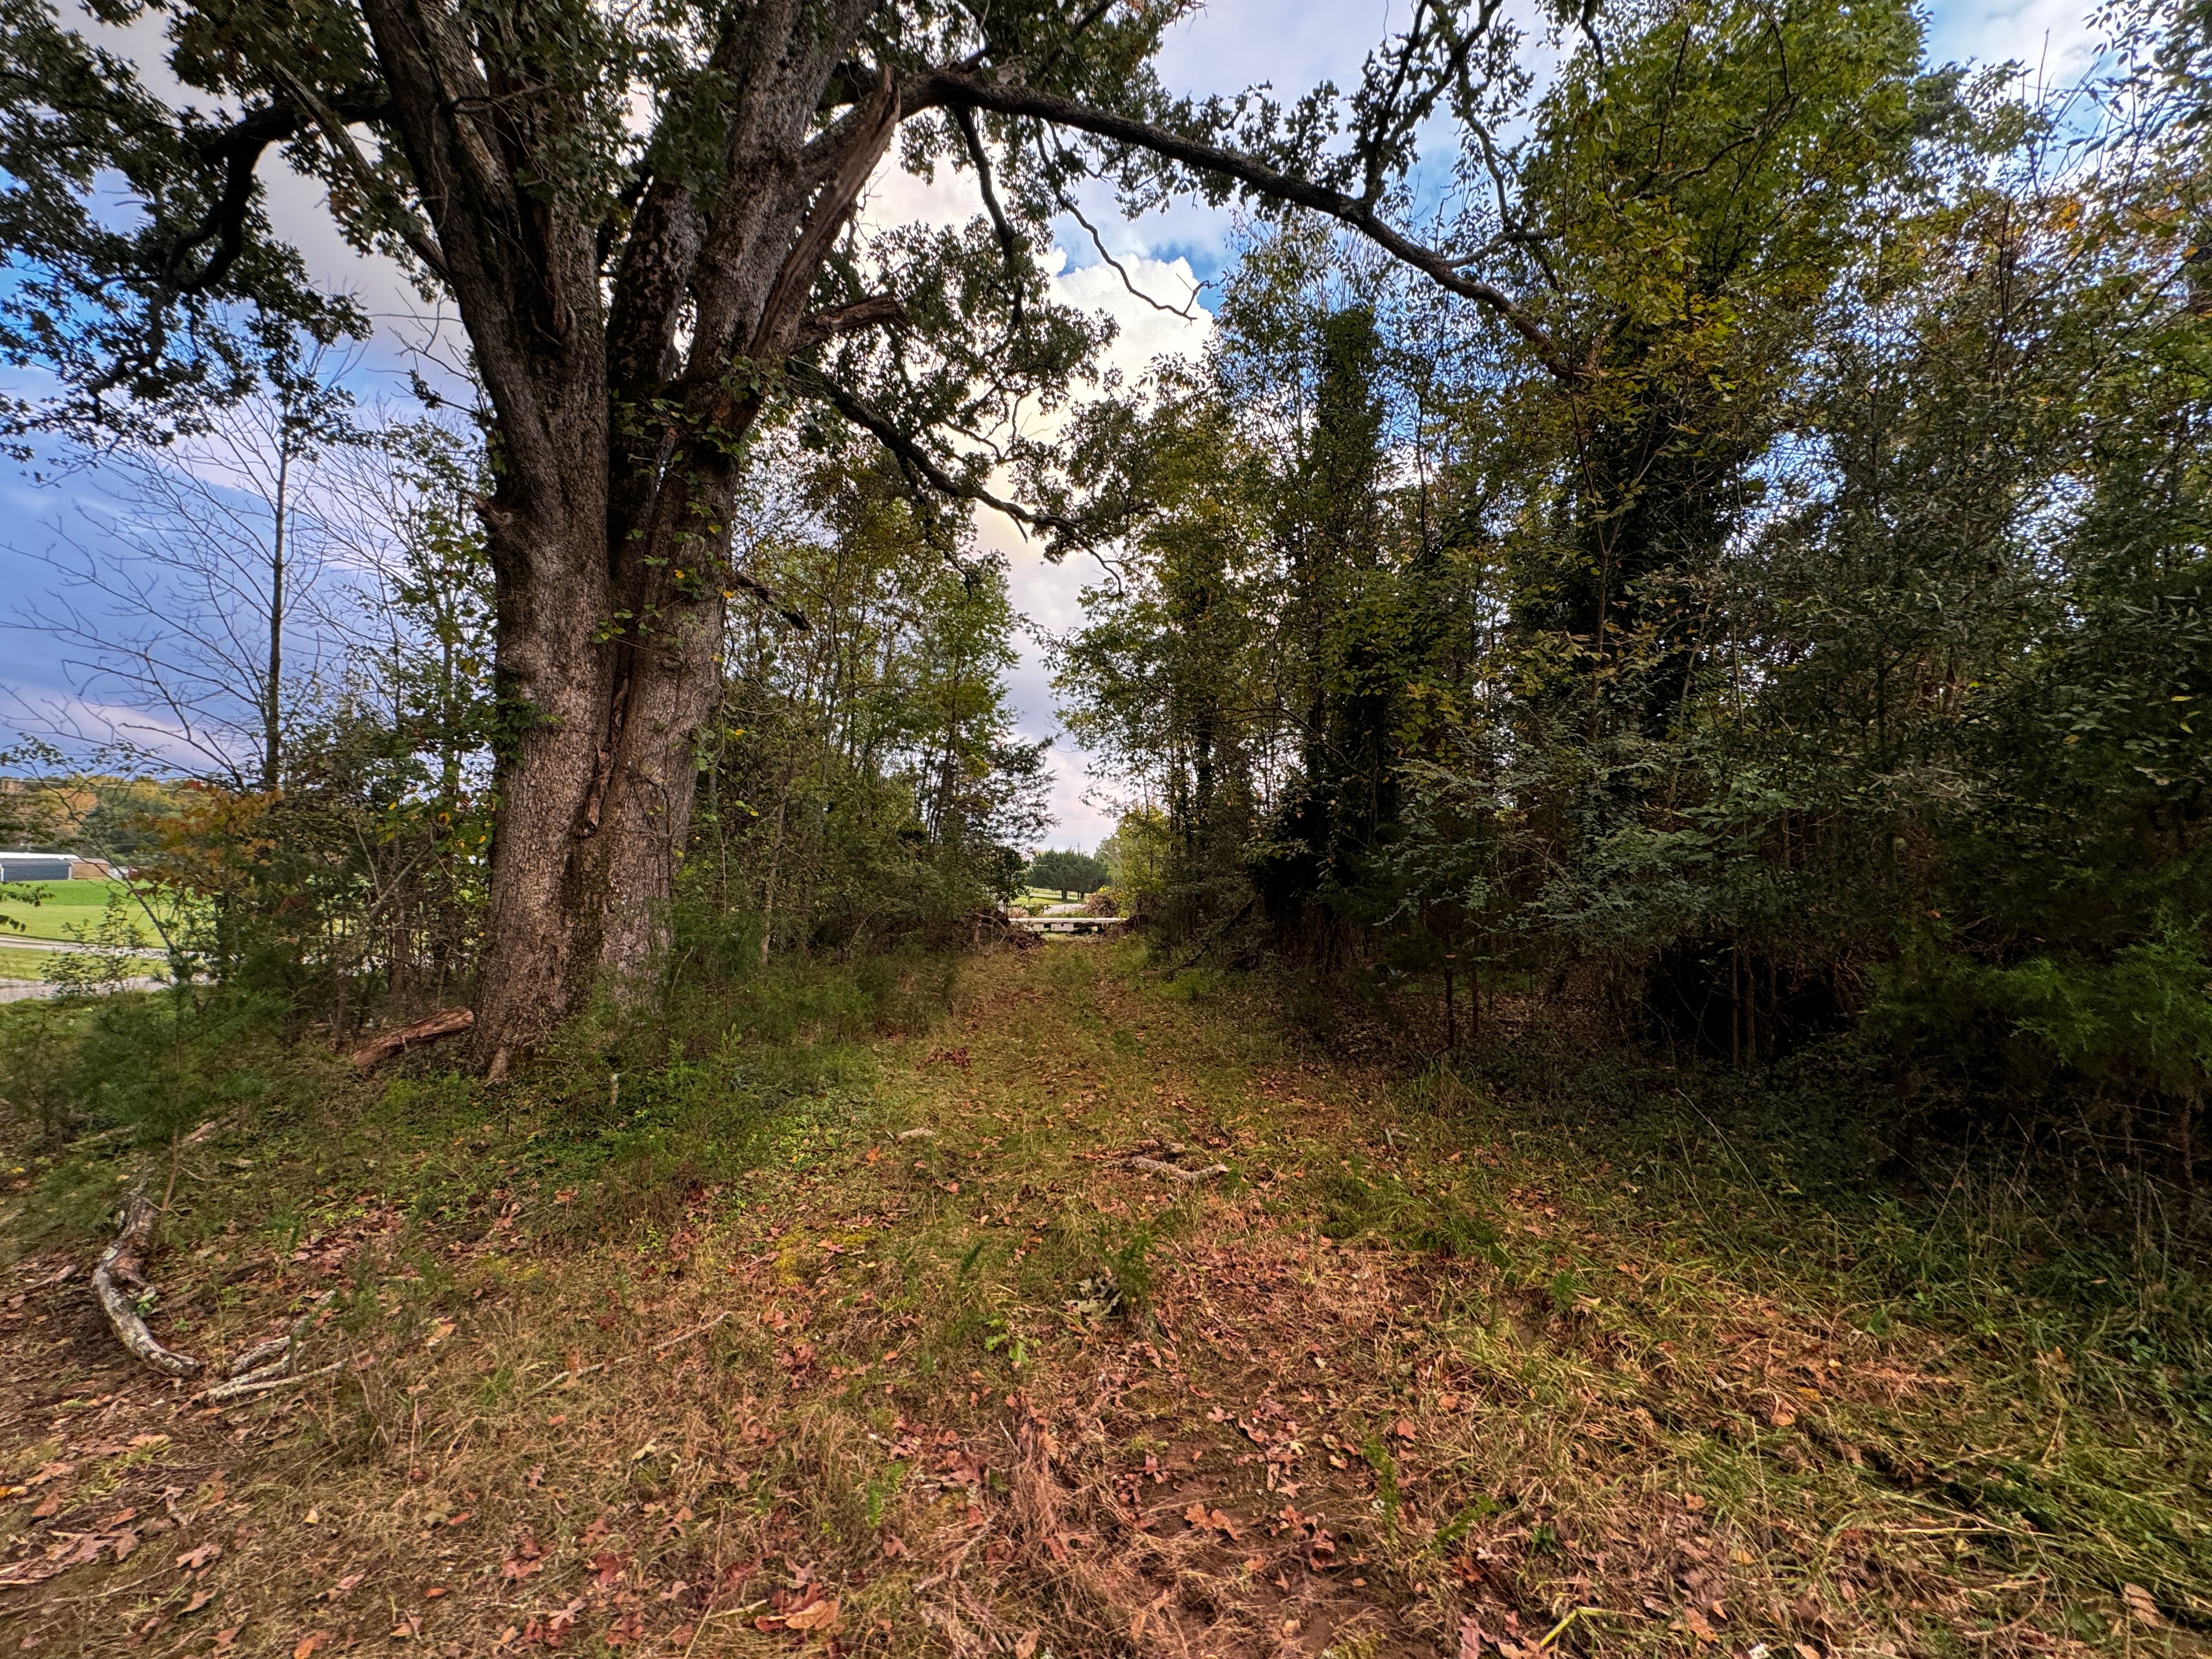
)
(1231, 44)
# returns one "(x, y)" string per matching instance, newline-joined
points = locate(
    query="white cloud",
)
(2054, 37)
(1050, 594)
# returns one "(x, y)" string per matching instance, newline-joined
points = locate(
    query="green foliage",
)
(1824, 641)
(863, 783)
(1071, 874)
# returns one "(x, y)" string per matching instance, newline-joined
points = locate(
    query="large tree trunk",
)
(619, 456)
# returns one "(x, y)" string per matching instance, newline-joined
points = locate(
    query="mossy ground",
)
(892, 1354)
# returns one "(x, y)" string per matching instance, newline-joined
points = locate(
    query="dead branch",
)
(254, 1359)
(446, 1022)
(259, 1383)
(1189, 1177)
(118, 1276)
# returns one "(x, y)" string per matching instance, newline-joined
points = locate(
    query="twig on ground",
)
(702, 1330)
(119, 1269)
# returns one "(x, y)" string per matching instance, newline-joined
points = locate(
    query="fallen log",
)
(117, 1280)
(446, 1022)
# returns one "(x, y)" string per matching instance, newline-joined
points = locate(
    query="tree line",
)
(1694, 512)
(1808, 640)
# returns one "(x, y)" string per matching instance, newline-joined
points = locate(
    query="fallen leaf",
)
(200, 1599)
(410, 1625)
(1026, 1644)
(439, 1332)
(820, 1615)
(2142, 1604)
(193, 1559)
(223, 1638)
(1470, 1638)
(1447, 1402)
(1404, 1430)
(52, 1472)
(305, 1648)
(49, 1507)
(1199, 1516)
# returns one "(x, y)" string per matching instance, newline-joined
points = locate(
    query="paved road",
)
(24, 991)
(17, 941)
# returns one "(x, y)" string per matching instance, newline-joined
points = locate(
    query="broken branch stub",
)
(119, 1267)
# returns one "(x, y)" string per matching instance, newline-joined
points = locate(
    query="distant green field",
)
(16, 964)
(72, 894)
(52, 921)
(64, 910)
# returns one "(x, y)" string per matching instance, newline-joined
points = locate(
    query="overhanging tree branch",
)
(1010, 245)
(951, 88)
(412, 231)
(1064, 532)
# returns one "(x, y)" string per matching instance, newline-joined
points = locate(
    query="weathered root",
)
(446, 1022)
(118, 1276)
(118, 1281)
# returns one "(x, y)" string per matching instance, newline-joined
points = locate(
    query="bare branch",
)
(920, 464)
(948, 86)
(1067, 205)
(1010, 245)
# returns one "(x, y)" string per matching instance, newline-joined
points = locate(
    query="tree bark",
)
(609, 526)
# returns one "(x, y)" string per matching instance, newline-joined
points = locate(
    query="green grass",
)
(75, 910)
(64, 922)
(19, 965)
(809, 1269)
(75, 895)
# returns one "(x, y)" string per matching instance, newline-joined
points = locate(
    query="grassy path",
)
(942, 1373)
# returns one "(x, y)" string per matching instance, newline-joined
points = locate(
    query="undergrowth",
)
(826, 1308)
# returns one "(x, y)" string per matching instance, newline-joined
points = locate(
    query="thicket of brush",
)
(1815, 662)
